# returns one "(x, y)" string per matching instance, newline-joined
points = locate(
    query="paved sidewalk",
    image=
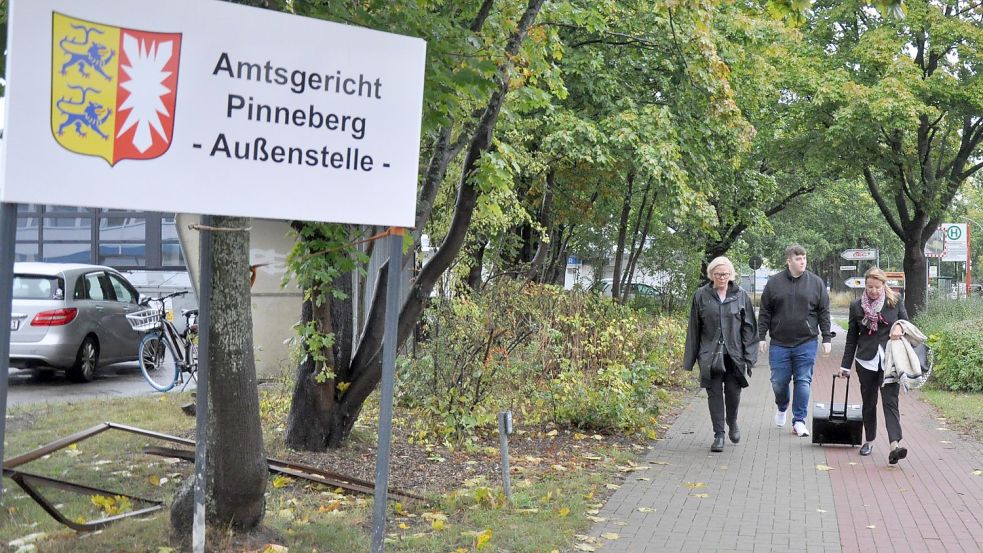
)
(773, 492)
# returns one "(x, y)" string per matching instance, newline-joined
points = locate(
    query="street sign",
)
(956, 242)
(229, 111)
(855, 282)
(848, 267)
(755, 262)
(858, 255)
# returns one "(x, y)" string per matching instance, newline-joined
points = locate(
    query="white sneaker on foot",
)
(800, 429)
(780, 418)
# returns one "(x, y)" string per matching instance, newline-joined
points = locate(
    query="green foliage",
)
(575, 359)
(959, 356)
(955, 332)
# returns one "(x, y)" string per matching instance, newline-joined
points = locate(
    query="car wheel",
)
(86, 361)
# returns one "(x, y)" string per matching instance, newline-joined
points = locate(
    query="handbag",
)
(717, 365)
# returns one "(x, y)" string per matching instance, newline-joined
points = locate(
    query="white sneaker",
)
(780, 418)
(800, 429)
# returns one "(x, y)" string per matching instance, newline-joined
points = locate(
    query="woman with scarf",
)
(722, 338)
(872, 319)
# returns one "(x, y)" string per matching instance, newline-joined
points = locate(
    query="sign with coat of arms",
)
(195, 106)
(113, 90)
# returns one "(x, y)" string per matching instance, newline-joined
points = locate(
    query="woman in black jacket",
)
(722, 313)
(872, 319)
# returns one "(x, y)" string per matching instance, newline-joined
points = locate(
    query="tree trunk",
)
(916, 279)
(619, 252)
(235, 467)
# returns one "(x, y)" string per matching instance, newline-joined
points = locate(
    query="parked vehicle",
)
(71, 317)
(638, 289)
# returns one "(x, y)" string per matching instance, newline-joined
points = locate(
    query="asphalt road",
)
(121, 380)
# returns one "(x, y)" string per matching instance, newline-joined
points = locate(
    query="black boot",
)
(718, 443)
(735, 433)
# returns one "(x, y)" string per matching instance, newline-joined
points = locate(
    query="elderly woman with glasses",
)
(722, 338)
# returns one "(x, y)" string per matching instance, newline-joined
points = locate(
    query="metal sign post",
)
(386, 391)
(8, 236)
(201, 407)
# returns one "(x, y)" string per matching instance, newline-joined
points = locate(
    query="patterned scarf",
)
(872, 312)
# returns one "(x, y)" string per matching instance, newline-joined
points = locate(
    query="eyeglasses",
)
(721, 275)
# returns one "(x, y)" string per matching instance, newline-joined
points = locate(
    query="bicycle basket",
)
(145, 320)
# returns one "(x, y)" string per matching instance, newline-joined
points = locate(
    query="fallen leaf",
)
(483, 538)
(531, 511)
(978, 472)
(275, 548)
(646, 510)
(593, 511)
(578, 436)
(851, 463)
(403, 526)
(559, 468)
(596, 519)
(694, 485)
(823, 467)
(612, 486)
(945, 442)
(281, 481)
(820, 510)
(658, 463)
(597, 437)
(552, 433)
(584, 547)
(871, 526)
(563, 512)
(593, 458)
(643, 479)
(701, 495)
(610, 536)
(438, 525)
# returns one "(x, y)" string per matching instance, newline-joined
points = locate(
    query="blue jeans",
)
(788, 364)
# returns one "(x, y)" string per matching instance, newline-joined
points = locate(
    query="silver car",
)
(71, 317)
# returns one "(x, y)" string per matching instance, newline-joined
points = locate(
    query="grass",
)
(551, 504)
(961, 410)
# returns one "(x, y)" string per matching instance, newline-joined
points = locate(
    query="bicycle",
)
(166, 354)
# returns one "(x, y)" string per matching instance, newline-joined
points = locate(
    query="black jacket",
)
(734, 316)
(794, 310)
(859, 342)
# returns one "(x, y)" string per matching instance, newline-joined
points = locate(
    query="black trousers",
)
(724, 397)
(870, 384)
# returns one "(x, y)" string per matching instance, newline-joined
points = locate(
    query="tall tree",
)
(348, 376)
(902, 106)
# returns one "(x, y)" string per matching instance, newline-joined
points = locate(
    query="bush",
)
(572, 358)
(955, 332)
(959, 356)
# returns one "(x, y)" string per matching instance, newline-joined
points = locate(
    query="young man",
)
(794, 309)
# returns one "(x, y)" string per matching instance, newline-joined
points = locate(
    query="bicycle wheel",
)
(157, 362)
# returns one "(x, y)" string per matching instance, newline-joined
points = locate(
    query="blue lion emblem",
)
(82, 114)
(86, 53)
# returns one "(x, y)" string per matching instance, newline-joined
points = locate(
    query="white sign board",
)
(933, 271)
(857, 255)
(856, 282)
(956, 241)
(848, 267)
(209, 107)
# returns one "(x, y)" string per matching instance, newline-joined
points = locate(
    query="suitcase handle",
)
(833, 413)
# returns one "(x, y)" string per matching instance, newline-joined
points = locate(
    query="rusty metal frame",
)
(30, 482)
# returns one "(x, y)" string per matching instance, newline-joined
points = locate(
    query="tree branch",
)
(879, 200)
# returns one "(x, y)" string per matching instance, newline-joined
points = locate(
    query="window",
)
(35, 287)
(119, 238)
(89, 287)
(122, 290)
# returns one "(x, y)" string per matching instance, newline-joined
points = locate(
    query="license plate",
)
(14, 324)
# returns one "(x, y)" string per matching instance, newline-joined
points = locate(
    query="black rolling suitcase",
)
(837, 423)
